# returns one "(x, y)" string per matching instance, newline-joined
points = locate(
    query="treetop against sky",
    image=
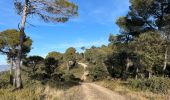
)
(95, 22)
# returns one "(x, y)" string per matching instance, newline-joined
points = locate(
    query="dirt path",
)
(96, 92)
(83, 64)
(85, 91)
(86, 72)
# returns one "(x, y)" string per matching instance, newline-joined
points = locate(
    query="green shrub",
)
(4, 83)
(68, 77)
(97, 73)
(78, 71)
(154, 84)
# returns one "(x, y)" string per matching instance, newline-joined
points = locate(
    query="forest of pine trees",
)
(141, 51)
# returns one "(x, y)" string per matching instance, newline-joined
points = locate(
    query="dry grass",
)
(116, 85)
(24, 94)
(52, 93)
(72, 93)
(32, 89)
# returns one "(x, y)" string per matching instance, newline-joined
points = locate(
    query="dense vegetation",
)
(139, 55)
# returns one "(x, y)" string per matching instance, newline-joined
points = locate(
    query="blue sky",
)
(95, 22)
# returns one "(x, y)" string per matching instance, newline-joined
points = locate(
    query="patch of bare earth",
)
(96, 92)
(85, 91)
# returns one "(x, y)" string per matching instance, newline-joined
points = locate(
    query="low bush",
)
(4, 80)
(154, 84)
(68, 77)
(98, 73)
(4, 83)
(110, 84)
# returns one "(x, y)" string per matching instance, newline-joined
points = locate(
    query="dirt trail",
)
(96, 92)
(83, 64)
(85, 91)
(86, 72)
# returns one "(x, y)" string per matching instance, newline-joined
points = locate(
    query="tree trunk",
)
(18, 74)
(165, 59)
(137, 70)
(127, 64)
(84, 56)
(150, 74)
(14, 78)
(11, 71)
(19, 55)
(34, 69)
(68, 67)
(125, 73)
